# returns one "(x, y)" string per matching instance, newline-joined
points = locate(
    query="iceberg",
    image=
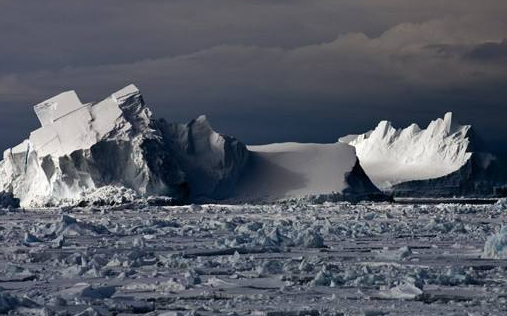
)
(84, 150)
(211, 162)
(391, 156)
(116, 142)
(444, 159)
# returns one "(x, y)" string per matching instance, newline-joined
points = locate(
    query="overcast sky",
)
(263, 70)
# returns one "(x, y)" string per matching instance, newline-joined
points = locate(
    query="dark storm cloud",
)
(323, 68)
(490, 51)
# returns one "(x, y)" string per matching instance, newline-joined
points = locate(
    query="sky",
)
(263, 70)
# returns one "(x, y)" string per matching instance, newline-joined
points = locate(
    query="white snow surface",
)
(285, 170)
(391, 156)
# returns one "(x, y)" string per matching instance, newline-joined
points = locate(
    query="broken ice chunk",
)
(310, 238)
(496, 245)
(85, 290)
(29, 238)
(405, 291)
(323, 278)
(395, 254)
(192, 278)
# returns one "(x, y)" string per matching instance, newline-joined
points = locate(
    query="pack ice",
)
(444, 159)
(116, 146)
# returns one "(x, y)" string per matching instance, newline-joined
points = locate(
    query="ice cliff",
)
(212, 162)
(82, 149)
(444, 159)
(116, 142)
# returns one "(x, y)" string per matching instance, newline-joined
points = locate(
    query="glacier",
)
(116, 145)
(445, 159)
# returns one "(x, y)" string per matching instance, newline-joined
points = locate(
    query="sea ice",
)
(422, 260)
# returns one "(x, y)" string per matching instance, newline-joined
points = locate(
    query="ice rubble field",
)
(289, 258)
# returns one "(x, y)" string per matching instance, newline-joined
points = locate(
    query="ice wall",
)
(212, 162)
(81, 147)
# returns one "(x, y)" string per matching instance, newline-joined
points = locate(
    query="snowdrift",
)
(294, 170)
(445, 159)
(85, 150)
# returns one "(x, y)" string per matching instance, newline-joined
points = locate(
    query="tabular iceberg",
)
(84, 148)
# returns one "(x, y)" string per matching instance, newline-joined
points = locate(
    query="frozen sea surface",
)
(279, 259)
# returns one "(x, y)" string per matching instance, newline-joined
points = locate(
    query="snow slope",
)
(391, 156)
(288, 170)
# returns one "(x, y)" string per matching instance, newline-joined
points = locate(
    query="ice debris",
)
(404, 291)
(502, 203)
(236, 259)
(395, 254)
(66, 226)
(496, 245)
(87, 291)
(274, 235)
(10, 303)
